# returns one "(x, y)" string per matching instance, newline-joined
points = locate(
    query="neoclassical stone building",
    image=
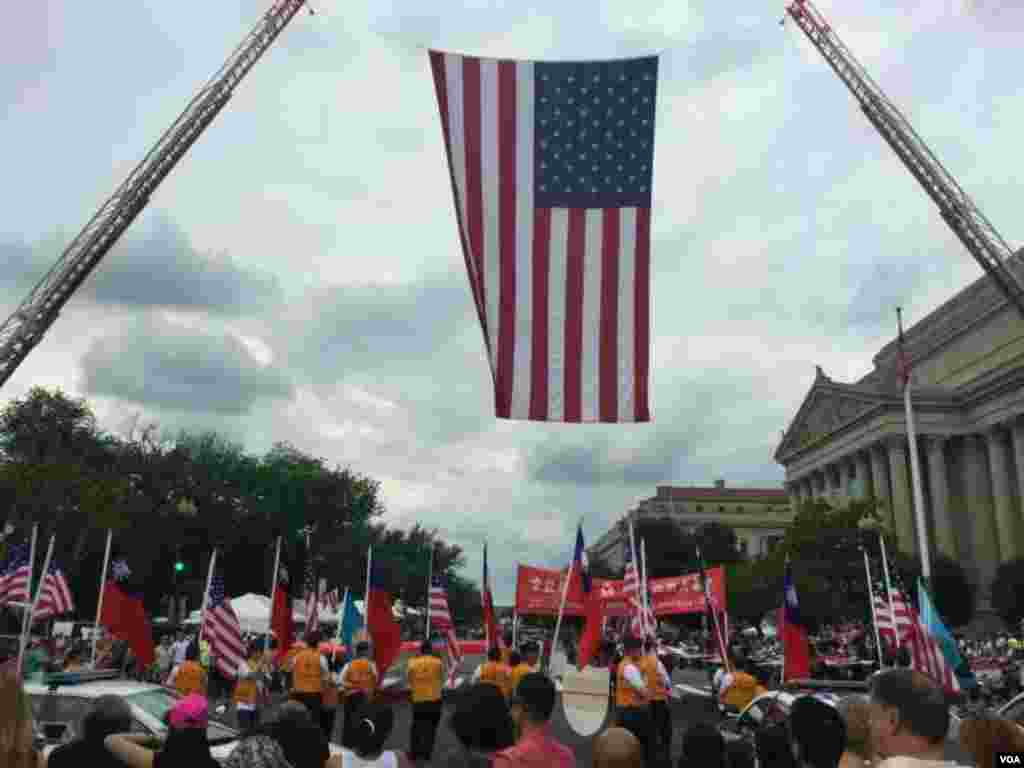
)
(850, 440)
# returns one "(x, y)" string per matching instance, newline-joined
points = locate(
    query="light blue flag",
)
(933, 623)
(351, 621)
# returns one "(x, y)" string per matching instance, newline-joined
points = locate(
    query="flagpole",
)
(874, 615)
(780, 625)
(430, 582)
(709, 603)
(273, 590)
(206, 597)
(915, 464)
(99, 603)
(888, 589)
(366, 600)
(31, 569)
(648, 613)
(32, 607)
(565, 595)
(636, 566)
(515, 626)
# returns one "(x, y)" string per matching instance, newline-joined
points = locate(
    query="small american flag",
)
(631, 586)
(441, 619)
(551, 168)
(15, 576)
(223, 631)
(926, 654)
(312, 603)
(55, 598)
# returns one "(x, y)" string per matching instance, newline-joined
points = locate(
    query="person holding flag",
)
(658, 684)
(632, 696)
(495, 672)
(425, 674)
(309, 674)
(359, 681)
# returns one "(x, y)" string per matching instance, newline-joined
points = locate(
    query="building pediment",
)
(827, 408)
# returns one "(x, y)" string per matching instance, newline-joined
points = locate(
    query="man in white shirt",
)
(179, 649)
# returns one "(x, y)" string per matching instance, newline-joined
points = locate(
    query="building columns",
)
(1002, 495)
(1017, 435)
(978, 502)
(942, 522)
(794, 496)
(880, 477)
(903, 514)
(862, 467)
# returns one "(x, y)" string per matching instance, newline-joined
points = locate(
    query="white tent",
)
(253, 612)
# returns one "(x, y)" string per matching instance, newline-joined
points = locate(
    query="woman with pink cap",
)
(186, 745)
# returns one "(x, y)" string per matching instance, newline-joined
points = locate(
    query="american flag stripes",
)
(223, 631)
(14, 580)
(441, 619)
(55, 597)
(551, 169)
(925, 650)
(631, 588)
(312, 601)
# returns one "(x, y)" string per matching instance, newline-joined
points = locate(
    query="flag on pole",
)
(312, 602)
(494, 637)
(711, 608)
(55, 597)
(385, 633)
(124, 613)
(934, 625)
(551, 168)
(590, 640)
(281, 619)
(797, 655)
(441, 619)
(926, 651)
(223, 631)
(16, 574)
(351, 621)
(631, 588)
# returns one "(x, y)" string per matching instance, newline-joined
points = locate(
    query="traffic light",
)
(179, 566)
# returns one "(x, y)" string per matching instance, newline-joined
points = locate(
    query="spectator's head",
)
(774, 749)
(983, 737)
(374, 722)
(494, 654)
(740, 754)
(856, 713)
(108, 715)
(16, 729)
(426, 647)
(192, 652)
(703, 747)
(818, 733)
(481, 720)
(909, 715)
(533, 700)
(618, 748)
(186, 739)
(515, 659)
(301, 739)
(362, 648)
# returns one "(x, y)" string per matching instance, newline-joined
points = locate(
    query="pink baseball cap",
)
(191, 712)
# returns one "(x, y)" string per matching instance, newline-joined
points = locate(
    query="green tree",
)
(670, 549)
(718, 543)
(1008, 591)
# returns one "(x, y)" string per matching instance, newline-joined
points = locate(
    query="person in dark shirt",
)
(109, 715)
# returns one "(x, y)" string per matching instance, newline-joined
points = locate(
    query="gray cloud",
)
(157, 364)
(156, 266)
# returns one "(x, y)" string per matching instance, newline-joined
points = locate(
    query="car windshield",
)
(158, 702)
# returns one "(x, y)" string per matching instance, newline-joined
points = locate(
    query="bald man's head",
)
(618, 748)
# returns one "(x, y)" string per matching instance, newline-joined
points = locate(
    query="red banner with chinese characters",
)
(539, 592)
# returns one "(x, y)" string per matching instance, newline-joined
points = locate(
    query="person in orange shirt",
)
(247, 689)
(189, 677)
(658, 684)
(506, 652)
(359, 681)
(425, 674)
(329, 703)
(520, 669)
(495, 672)
(632, 696)
(309, 671)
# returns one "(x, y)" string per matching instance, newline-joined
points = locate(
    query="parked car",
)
(1013, 709)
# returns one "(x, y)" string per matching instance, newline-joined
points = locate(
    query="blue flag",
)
(933, 623)
(351, 621)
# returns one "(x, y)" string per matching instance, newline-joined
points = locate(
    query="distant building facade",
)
(760, 516)
(850, 440)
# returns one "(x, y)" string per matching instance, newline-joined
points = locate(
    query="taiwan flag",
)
(385, 632)
(797, 659)
(124, 614)
(281, 620)
(591, 637)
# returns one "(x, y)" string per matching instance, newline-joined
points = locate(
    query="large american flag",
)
(631, 587)
(441, 620)
(55, 597)
(312, 601)
(222, 630)
(15, 576)
(551, 169)
(925, 650)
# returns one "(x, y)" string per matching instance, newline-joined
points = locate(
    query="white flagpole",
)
(341, 620)
(888, 588)
(874, 615)
(648, 613)
(25, 626)
(636, 567)
(273, 591)
(30, 614)
(366, 599)
(430, 583)
(915, 475)
(561, 608)
(515, 627)
(206, 596)
(99, 603)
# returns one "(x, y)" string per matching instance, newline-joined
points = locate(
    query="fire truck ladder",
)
(34, 316)
(966, 220)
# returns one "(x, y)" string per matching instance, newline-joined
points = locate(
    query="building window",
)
(700, 507)
(742, 546)
(721, 509)
(739, 509)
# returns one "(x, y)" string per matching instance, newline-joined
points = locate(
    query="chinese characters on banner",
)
(539, 592)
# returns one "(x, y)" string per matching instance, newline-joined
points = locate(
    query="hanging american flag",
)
(441, 619)
(223, 631)
(551, 168)
(17, 571)
(312, 602)
(926, 654)
(55, 597)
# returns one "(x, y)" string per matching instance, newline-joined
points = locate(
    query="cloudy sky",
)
(298, 277)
